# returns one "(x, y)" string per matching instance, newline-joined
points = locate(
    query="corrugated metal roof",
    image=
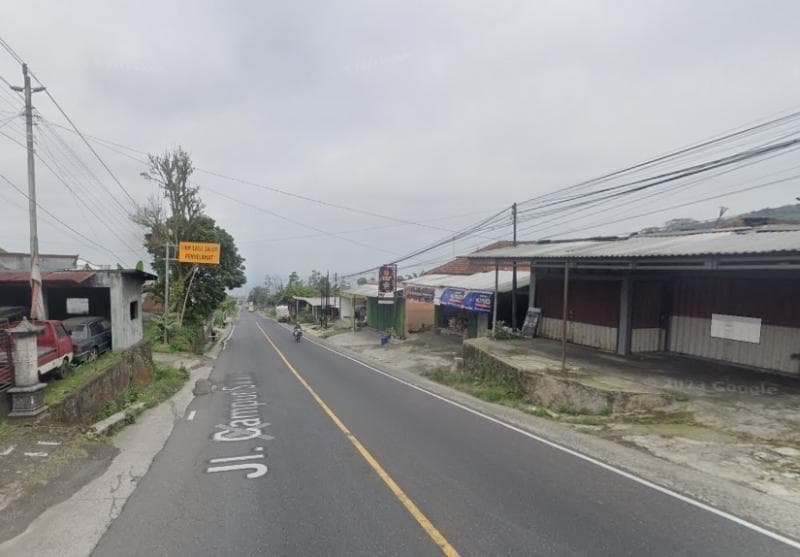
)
(76, 277)
(483, 282)
(364, 290)
(317, 301)
(719, 242)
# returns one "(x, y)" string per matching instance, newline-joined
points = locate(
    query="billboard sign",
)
(202, 253)
(387, 283)
(467, 299)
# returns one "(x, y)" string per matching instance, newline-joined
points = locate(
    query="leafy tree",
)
(259, 295)
(361, 281)
(201, 288)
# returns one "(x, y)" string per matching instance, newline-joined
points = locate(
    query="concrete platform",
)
(575, 390)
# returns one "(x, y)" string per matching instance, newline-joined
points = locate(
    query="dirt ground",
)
(729, 422)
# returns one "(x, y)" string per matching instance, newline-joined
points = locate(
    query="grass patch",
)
(166, 382)
(78, 376)
(658, 418)
(489, 389)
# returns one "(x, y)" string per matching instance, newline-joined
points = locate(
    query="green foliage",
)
(140, 265)
(295, 287)
(361, 281)
(79, 376)
(184, 220)
(259, 295)
(485, 387)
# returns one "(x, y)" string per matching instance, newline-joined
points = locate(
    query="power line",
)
(686, 204)
(293, 221)
(61, 222)
(68, 119)
(58, 176)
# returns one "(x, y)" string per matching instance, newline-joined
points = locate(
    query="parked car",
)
(54, 348)
(12, 314)
(91, 336)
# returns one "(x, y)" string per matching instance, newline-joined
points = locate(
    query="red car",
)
(54, 347)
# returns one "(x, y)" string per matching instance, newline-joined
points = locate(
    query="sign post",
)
(387, 282)
(201, 253)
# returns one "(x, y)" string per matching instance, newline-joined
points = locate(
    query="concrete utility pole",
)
(37, 299)
(166, 289)
(514, 273)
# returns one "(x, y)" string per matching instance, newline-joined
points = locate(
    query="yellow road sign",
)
(198, 252)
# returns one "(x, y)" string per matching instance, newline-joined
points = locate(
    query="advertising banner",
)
(387, 283)
(469, 300)
(420, 293)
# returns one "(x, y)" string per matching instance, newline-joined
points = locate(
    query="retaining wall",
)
(89, 401)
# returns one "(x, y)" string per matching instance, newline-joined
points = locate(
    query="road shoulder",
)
(775, 514)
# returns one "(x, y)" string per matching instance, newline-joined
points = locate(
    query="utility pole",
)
(37, 300)
(166, 289)
(514, 273)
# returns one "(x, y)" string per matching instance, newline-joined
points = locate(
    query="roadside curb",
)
(739, 501)
(109, 423)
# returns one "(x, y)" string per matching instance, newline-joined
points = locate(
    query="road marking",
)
(8, 451)
(48, 443)
(35, 454)
(666, 491)
(191, 415)
(412, 508)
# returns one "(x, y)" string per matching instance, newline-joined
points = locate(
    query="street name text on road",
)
(202, 253)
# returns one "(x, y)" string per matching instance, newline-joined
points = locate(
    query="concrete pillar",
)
(27, 395)
(625, 317)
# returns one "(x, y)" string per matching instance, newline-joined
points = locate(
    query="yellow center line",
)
(423, 521)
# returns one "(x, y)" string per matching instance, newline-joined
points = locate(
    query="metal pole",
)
(495, 300)
(564, 318)
(37, 299)
(166, 289)
(514, 273)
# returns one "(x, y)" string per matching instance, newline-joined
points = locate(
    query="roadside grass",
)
(499, 391)
(486, 388)
(78, 376)
(6, 430)
(166, 382)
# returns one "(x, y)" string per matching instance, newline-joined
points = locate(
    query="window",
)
(60, 331)
(134, 310)
(78, 306)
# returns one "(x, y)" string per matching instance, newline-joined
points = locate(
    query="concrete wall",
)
(87, 403)
(692, 336)
(345, 307)
(418, 315)
(647, 340)
(123, 291)
(597, 336)
(48, 263)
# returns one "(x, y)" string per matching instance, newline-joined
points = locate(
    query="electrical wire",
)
(61, 222)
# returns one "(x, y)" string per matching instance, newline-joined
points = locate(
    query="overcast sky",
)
(418, 110)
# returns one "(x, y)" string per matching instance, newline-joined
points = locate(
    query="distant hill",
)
(785, 214)
(789, 213)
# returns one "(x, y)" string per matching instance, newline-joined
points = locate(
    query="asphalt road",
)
(483, 488)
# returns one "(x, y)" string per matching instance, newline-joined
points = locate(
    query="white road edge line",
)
(666, 491)
(190, 417)
(8, 451)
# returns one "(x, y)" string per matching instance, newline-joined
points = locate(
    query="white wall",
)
(598, 336)
(692, 335)
(647, 340)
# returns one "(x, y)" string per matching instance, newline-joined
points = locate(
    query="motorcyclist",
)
(297, 332)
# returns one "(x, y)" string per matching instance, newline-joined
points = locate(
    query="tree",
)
(361, 281)
(186, 221)
(259, 296)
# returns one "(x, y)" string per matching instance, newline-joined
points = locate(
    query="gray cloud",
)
(416, 109)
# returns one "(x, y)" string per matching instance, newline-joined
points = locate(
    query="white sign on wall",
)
(78, 306)
(736, 327)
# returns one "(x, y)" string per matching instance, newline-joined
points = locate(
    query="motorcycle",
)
(297, 334)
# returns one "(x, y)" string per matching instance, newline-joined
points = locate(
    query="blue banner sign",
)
(466, 299)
